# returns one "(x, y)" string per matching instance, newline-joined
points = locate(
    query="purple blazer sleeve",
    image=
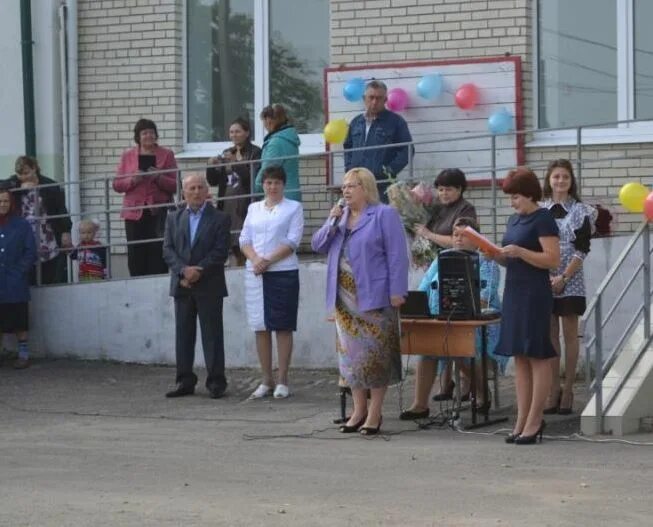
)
(394, 240)
(322, 238)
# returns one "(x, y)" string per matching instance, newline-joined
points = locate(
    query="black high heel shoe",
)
(511, 437)
(531, 440)
(370, 430)
(350, 429)
(554, 409)
(569, 410)
(447, 394)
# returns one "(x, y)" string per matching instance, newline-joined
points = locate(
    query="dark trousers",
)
(52, 271)
(146, 258)
(209, 310)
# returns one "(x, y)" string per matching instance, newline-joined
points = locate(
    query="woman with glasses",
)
(367, 280)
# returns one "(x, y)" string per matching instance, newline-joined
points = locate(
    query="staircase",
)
(618, 344)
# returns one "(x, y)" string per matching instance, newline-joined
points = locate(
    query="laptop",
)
(416, 305)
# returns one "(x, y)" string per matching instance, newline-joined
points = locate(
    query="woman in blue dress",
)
(531, 248)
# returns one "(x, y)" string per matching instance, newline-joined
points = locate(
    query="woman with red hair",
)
(531, 248)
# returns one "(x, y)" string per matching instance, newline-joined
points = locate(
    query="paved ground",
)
(96, 444)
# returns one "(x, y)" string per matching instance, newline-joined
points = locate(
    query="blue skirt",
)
(272, 300)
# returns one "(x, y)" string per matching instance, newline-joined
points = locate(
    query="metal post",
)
(107, 224)
(411, 152)
(598, 368)
(38, 241)
(646, 269)
(579, 164)
(252, 180)
(178, 192)
(493, 148)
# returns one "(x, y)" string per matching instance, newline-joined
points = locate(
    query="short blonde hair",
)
(365, 179)
(89, 223)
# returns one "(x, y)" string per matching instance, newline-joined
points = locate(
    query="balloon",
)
(354, 89)
(336, 131)
(500, 122)
(466, 96)
(648, 207)
(397, 100)
(430, 86)
(632, 196)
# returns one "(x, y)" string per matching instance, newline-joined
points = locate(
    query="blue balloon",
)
(430, 86)
(500, 122)
(354, 89)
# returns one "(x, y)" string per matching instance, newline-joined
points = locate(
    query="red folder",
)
(481, 241)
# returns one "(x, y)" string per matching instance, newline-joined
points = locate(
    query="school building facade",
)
(194, 65)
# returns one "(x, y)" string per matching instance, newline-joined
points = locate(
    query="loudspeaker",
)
(459, 278)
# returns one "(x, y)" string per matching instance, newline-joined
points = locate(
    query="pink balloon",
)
(648, 207)
(397, 100)
(466, 96)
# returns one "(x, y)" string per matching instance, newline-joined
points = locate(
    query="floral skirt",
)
(367, 342)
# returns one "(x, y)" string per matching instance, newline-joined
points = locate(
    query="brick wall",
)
(130, 66)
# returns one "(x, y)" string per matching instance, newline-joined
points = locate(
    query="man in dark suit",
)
(195, 247)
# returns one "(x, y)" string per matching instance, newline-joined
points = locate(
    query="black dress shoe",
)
(411, 415)
(181, 391)
(218, 391)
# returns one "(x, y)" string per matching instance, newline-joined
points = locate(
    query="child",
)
(92, 258)
(426, 367)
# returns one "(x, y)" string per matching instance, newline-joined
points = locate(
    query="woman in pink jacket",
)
(142, 189)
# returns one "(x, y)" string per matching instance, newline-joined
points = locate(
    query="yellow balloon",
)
(632, 196)
(336, 131)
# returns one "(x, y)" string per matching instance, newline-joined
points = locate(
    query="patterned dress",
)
(575, 222)
(367, 342)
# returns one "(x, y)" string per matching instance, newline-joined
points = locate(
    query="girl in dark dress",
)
(530, 250)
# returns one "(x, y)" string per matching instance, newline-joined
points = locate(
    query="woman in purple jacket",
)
(367, 280)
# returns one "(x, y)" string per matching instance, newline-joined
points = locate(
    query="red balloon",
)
(648, 207)
(466, 96)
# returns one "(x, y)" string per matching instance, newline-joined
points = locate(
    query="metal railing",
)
(414, 171)
(594, 325)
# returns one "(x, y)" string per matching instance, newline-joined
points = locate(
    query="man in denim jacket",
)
(377, 126)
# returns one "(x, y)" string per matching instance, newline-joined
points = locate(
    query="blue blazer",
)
(209, 250)
(17, 256)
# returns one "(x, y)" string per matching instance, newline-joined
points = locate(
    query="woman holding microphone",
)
(367, 280)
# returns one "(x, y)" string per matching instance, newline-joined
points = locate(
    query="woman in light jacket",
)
(142, 189)
(282, 140)
(367, 280)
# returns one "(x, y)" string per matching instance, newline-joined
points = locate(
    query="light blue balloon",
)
(500, 122)
(354, 89)
(430, 86)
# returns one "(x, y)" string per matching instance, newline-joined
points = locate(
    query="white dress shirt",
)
(266, 229)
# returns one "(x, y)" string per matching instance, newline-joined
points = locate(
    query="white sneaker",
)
(262, 391)
(281, 391)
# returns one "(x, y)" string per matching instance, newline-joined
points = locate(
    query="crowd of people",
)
(363, 238)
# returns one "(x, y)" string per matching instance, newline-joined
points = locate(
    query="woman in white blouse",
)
(270, 236)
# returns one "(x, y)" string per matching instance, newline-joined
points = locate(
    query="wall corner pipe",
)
(72, 109)
(26, 45)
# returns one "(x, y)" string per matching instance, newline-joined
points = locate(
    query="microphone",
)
(334, 221)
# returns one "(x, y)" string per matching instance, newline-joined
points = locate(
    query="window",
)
(577, 63)
(594, 66)
(244, 54)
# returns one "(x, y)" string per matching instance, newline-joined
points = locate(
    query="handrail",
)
(595, 309)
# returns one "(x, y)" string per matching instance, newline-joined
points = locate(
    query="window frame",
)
(310, 143)
(624, 132)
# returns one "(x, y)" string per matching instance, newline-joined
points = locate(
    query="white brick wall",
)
(130, 66)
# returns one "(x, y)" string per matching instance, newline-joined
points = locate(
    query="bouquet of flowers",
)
(410, 203)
